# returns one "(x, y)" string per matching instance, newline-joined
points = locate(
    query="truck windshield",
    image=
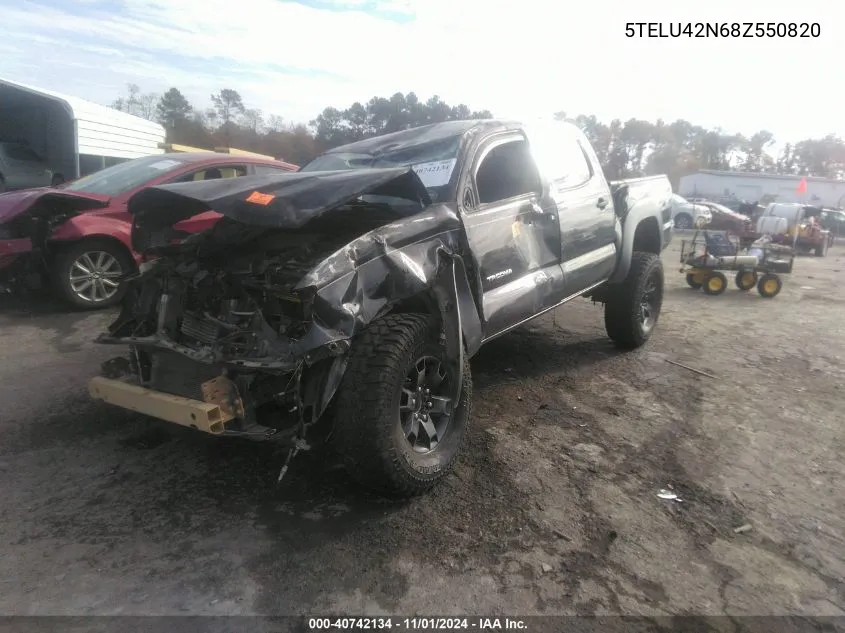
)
(433, 162)
(116, 180)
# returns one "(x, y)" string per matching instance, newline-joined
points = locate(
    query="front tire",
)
(395, 437)
(821, 249)
(86, 275)
(633, 308)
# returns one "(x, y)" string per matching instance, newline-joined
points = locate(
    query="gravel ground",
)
(553, 508)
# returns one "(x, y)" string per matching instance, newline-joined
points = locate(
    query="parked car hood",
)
(730, 214)
(15, 203)
(286, 201)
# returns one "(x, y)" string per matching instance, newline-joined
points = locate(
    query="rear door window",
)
(559, 155)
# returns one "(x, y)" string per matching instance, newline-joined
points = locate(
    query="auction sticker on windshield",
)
(437, 173)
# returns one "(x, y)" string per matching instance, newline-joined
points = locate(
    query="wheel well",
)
(423, 303)
(108, 239)
(647, 236)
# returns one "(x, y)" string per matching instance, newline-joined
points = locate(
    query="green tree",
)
(227, 103)
(754, 148)
(173, 110)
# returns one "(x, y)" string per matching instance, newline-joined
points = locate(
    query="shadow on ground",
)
(154, 481)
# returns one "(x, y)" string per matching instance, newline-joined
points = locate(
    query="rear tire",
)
(375, 411)
(769, 286)
(692, 283)
(64, 267)
(629, 322)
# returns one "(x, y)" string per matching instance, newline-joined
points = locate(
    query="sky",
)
(522, 58)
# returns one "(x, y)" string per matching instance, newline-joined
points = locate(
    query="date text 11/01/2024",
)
(417, 623)
(723, 29)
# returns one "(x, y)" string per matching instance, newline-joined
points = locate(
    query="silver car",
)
(22, 168)
(687, 215)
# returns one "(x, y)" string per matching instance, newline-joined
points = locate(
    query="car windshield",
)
(433, 162)
(124, 177)
(18, 151)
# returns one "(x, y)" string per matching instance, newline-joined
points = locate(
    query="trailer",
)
(75, 137)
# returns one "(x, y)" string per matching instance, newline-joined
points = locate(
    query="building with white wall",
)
(751, 186)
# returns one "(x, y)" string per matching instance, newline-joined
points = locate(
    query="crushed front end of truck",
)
(244, 329)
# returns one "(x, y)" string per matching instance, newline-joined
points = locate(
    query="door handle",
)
(534, 212)
(601, 203)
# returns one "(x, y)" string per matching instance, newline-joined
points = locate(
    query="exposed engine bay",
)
(226, 304)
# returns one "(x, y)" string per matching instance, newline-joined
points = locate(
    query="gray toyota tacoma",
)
(339, 305)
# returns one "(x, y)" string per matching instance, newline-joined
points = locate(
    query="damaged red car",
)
(76, 237)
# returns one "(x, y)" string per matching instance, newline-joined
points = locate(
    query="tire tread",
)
(363, 426)
(620, 317)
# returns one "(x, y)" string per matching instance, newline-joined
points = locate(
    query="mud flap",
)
(461, 323)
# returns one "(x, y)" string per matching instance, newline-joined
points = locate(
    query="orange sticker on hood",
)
(256, 197)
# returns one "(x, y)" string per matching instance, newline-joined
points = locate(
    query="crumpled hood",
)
(15, 203)
(285, 200)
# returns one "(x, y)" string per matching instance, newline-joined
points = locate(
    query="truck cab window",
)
(507, 171)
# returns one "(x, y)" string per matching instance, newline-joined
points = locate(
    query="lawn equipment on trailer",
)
(704, 257)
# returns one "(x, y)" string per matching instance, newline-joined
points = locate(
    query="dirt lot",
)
(552, 509)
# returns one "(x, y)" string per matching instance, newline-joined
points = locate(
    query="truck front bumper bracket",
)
(203, 416)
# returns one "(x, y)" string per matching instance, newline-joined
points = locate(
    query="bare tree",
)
(275, 123)
(253, 120)
(136, 103)
(147, 106)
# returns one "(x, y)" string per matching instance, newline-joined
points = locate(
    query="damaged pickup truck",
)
(341, 304)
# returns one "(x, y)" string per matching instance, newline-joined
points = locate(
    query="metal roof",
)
(102, 130)
(755, 174)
